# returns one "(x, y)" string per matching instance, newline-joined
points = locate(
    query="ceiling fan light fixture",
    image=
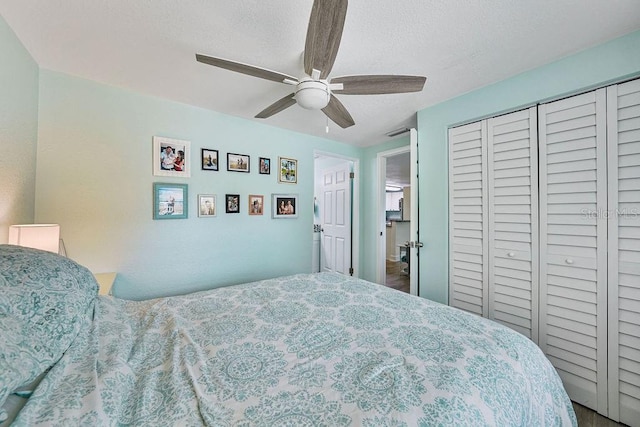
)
(312, 94)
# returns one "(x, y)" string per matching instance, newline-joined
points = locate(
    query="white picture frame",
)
(284, 206)
(207, 206)
(287, 170)
(165, 162)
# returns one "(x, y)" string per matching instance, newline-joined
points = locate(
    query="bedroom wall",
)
(95, 180)
(613, 61)
(18, 131)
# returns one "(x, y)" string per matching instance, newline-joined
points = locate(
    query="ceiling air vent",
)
(397, 132)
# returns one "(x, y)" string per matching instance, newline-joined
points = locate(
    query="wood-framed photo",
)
(170, 201)
(232, 203)
(287, 170)
(237, 162)
(171, 157)
(284, 205)
(209, 159)
(206, 205)
(265, 166)
(256, 204)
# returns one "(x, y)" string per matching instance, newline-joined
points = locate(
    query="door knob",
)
(511, 254)
(569, 261)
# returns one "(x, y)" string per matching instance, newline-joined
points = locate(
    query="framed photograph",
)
(287, 170)
(284, 206)
(170, 201)
(171, 157)
(206, 205)
(209, 160)
(237, 162)
(232, 203)
(256, 204)
(265, 166)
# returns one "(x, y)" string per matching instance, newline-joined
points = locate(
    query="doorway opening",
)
(409, 212)
(336, 239)
(395, 166)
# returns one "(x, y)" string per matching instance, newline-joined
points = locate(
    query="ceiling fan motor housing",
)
(312, 94)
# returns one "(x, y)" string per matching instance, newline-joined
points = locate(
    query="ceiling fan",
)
(314, 91)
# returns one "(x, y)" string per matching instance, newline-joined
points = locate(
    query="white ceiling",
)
(460, 45)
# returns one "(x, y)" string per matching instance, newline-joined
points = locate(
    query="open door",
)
(335, 219)
(336, 234)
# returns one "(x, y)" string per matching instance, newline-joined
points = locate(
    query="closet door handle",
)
(569, 261)
(511, 254)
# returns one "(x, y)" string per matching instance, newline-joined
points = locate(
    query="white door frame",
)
(381, 252)
(355, 205)
(414, 274)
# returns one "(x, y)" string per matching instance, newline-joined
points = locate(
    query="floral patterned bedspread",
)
(304, 350)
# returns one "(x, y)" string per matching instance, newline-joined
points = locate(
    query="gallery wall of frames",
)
(173, 158)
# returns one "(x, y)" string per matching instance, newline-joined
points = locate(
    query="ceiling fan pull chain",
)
(326, 129)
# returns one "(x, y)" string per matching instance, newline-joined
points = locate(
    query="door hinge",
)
(352, 175)
(351, 271)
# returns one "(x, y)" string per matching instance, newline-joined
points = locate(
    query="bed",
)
(304, 350)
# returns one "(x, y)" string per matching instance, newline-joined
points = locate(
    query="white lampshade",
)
(312, 95)
(38, 236)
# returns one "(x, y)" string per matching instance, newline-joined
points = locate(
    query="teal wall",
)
(371, 233)
(95, 179)
(94, 173)
(594, 67)
(18, 131)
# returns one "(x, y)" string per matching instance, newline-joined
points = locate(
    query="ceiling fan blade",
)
(323, 35)
(380, 84)
(250, 70)
(338, 113)
(277, 106)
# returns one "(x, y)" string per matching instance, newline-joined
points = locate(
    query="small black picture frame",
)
(232, 203)
(238, 162)
(265, 166)
(209, 160)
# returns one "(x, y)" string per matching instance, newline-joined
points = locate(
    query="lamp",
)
(38, 236)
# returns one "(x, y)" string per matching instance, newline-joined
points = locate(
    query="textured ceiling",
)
(460, 45)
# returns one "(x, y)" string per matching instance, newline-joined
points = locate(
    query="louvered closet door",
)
(573, 244)
(467, 218)
(512, 153)
(623, 109)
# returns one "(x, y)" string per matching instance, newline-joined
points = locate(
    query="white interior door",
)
(468, 230)
(336, 219)
(623, 142)
(512, 176)
(573, 244)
